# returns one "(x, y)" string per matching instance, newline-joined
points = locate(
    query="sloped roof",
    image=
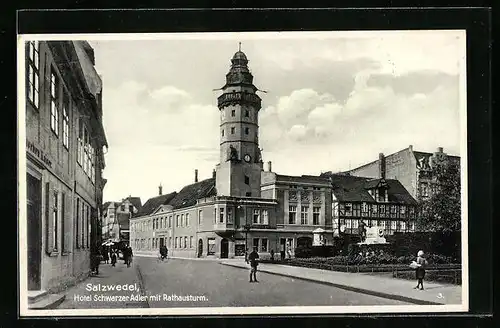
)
(123, 220)
(153, 203)
(136, 201)
(106, 205)
(374, 183)
(191, 193)
(349, 188)
(399, 194)
(302, 178)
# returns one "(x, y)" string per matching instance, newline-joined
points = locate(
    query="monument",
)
(373, 235)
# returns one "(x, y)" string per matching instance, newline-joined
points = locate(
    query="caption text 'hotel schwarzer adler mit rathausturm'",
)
(64, 149)
(244, 206)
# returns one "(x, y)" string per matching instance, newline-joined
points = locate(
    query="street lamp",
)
(246, 227)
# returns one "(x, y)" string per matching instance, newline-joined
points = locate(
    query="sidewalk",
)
(386, 287)
(79, 297)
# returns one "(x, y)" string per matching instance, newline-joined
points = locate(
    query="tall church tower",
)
(238, 173)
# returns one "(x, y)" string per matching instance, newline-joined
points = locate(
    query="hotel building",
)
(65, 159)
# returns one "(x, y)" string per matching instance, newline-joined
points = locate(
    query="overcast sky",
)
(334, 101)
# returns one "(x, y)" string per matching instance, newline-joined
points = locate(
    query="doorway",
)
(34, 201)
(162, 242)
(224, 248)
(200, 248)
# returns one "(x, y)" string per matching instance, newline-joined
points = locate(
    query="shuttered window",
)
(48, 221)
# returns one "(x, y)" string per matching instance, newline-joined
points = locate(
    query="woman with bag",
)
(420, 270)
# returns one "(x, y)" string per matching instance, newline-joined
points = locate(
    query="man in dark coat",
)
(114, 256)
(127, 255)
(253, 258)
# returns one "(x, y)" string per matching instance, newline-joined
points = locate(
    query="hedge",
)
(378, 263)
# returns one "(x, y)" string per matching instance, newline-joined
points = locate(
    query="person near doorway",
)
(253, 258)
(288, 250)
(272, 255)
(282, 251)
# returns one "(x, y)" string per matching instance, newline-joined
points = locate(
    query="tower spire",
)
(239, 46)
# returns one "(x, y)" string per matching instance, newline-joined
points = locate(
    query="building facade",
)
(116, 218)
(65, 143)
(224, 215)
(412, 168)
(384, 203)
(244, 206)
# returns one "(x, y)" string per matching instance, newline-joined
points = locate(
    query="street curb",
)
(350, 288)
(141, 283)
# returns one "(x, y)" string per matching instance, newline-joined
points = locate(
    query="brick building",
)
(412, 168)
(64, 150)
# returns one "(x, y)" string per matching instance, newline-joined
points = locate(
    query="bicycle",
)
(162, 258)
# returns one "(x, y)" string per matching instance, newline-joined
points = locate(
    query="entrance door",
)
(162, 241)
(224, 248)
(200, 247)
(34, 201)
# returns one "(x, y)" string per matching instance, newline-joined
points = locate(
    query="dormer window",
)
(379, 194)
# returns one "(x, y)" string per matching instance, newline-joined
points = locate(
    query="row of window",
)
(183, 242)
(379, 194)
(304, 188)
(304, 215)
(387, 225)
(181, 220)
(233, 113)
(223, 215)
(58, 107)
(364, 209)
(82, 224)
(233, 131)
(58, 222)
(259, 216)
(86, 153)
(262, 244)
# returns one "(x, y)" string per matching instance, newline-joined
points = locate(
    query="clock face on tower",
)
(247, 158)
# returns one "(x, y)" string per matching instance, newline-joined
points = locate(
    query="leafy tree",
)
(441, 211)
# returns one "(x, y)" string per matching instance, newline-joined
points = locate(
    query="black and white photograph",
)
(242, 173)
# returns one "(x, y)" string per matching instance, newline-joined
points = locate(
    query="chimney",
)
(410, 147)
(213, 174)
(381, 165)
(269, 166)
(196, 175)
(160, 190)
(440, 149)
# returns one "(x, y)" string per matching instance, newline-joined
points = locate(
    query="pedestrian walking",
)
(105, 254)
(420, 270)
(127, 253)
(114, 257)
(95, 260)
(253, 258)
(272, 255)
